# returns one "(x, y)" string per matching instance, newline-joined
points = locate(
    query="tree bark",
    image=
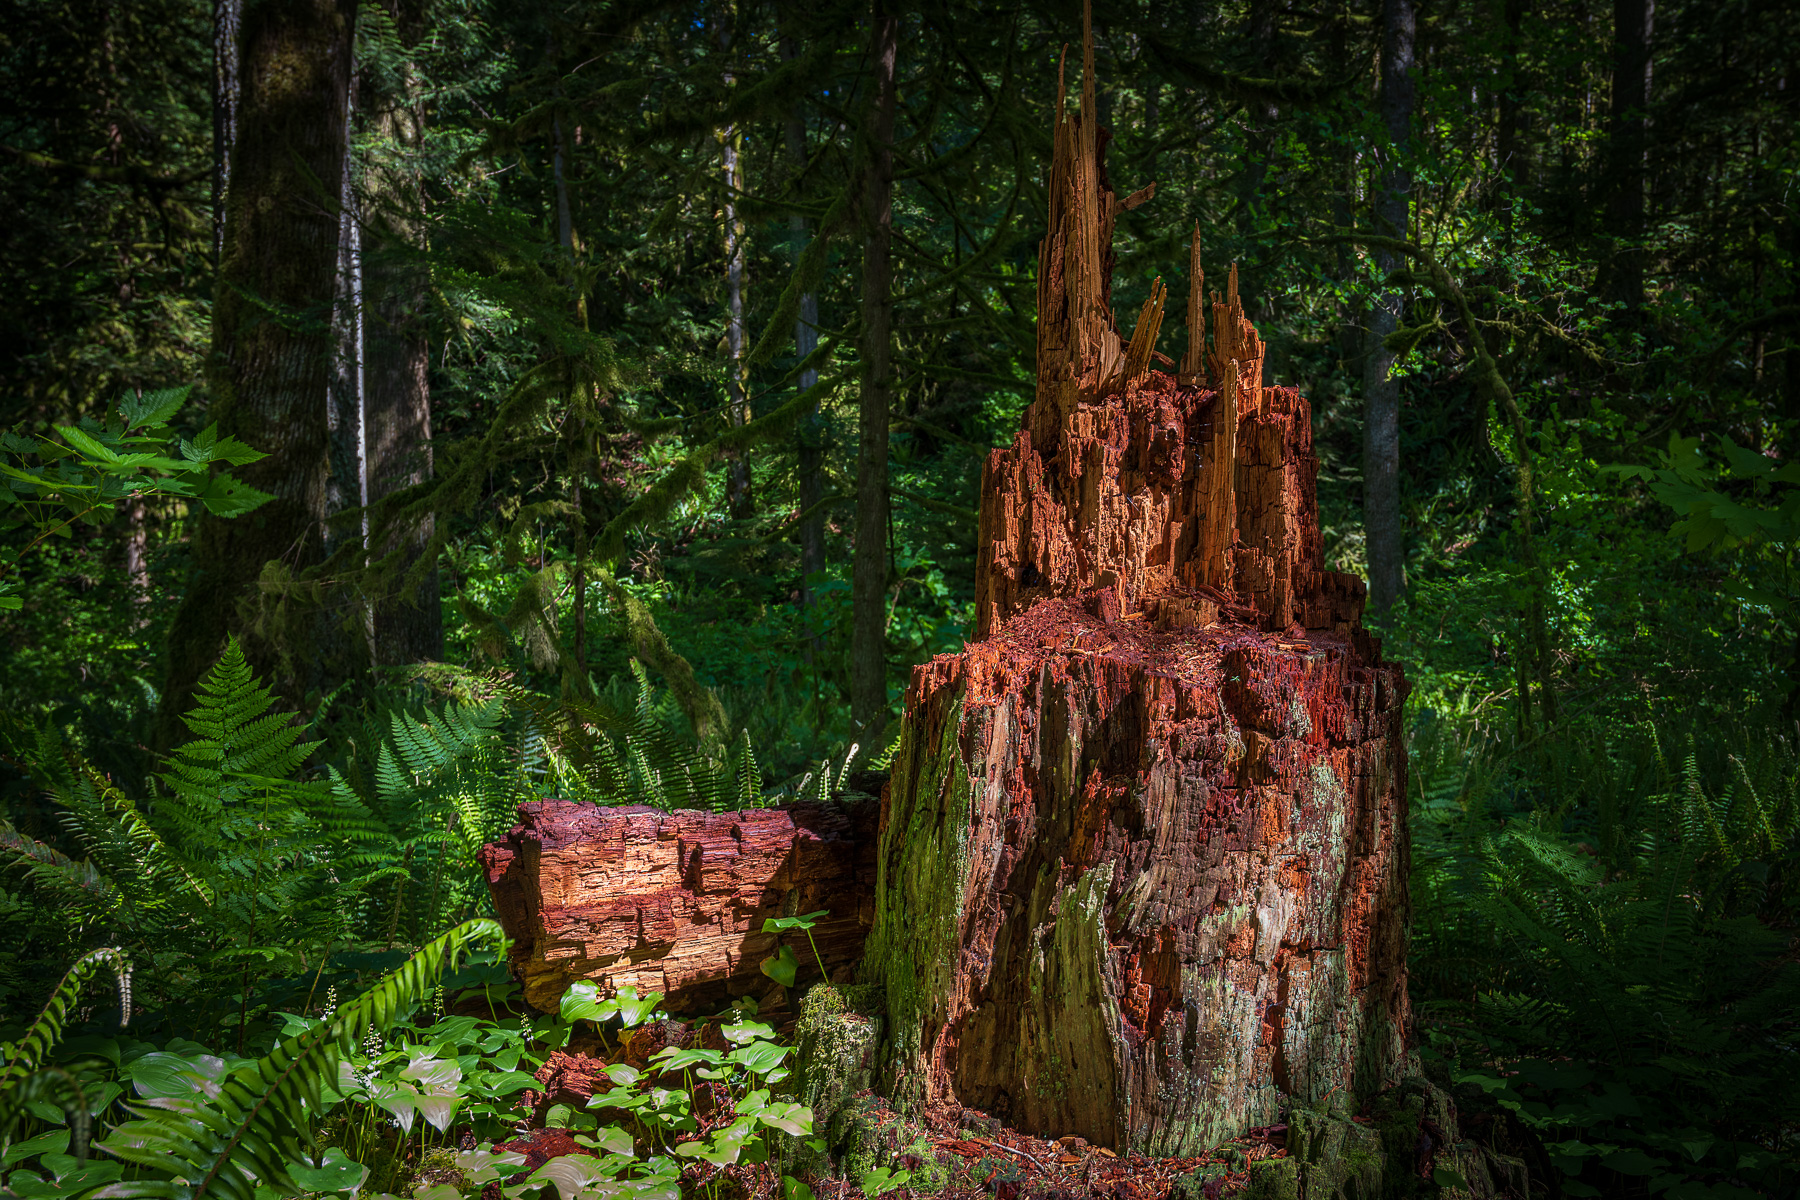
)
(408, 619)
(1383, 533)
(271, 360)
(1633, 25)
(343, 632)
(1143, 859)
(738, 496)
(869, 572)
(811, 436)
(227, 32)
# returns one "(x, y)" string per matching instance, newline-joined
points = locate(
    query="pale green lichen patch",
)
(1299, 720)
(911, 951)
(1073, 1018)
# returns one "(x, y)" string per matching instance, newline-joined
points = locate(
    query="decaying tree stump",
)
(1143, 855)
(675, 902)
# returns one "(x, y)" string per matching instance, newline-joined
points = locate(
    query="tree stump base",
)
(1139, 885)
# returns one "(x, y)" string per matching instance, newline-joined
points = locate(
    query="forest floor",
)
(976, 1156)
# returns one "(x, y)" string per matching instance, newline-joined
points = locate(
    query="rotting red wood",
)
(1144, 852)
(674, 902)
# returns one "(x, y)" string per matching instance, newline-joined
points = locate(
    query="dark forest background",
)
(623, 374)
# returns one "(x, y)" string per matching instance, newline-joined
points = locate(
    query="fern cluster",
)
(245, 867)
(615, 749)
(1615, 928)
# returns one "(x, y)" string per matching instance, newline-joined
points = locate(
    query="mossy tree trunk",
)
(1142, 869)
(271, 360)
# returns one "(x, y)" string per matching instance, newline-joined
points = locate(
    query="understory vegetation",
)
(626, 446)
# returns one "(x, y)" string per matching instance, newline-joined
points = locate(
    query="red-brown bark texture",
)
(674, 902)
(1143, 855)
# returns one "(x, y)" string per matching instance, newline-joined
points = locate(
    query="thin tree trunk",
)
(1383, 535)
(1508, 148)
(1633, 24)
(579, 437)
(812, 433)
(346, 488)
(137, 552)
(408, 622)
(269, 378)
(738, 496)
(344, 634)
(1790, 235)
(1261, 127)
(868, 643)
(227, 32)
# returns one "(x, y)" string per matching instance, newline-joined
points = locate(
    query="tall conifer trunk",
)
(271, 358)
(407, 620)
(1633, 24)
(812, 434)
(868, 649)
(1383, 533)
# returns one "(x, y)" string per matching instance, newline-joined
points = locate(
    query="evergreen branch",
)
(690, 472)
(809, 269)
(953, 510)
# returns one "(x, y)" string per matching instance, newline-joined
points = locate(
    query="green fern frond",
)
(239, 747)
(22, 1059)
(49, 1085)
(115, 830)
(258, 1124)
(51, 868)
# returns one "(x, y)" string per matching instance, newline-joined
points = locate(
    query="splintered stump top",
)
(1142, 866)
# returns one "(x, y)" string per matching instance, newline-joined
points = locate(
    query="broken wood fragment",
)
(674, 902)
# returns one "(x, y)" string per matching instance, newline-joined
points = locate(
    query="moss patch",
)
(878, 1137)
(835, 1053)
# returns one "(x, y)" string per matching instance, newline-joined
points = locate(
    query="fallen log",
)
(1143, 856)
(674, 902)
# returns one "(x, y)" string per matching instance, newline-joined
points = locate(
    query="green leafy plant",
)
(30, 1085)
(782, 966)
(882, 1180)
(253, 1124)
(49, 485)
(1633, 1000)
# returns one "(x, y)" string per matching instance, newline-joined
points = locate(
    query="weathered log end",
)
(675, 902)
(1143, 857)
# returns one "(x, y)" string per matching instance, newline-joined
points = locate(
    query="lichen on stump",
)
(1142, 868)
